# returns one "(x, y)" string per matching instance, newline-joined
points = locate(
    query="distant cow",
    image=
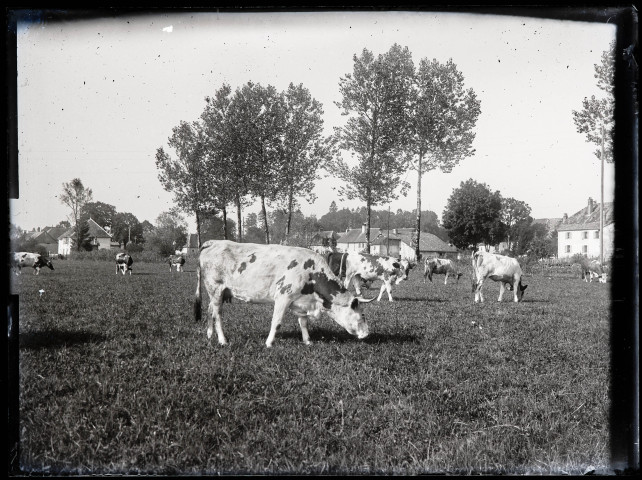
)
(27, 259)
(176, 261)
(440, 266)
(291, 278)
(357, 267)
(124, 263)
(502, 269)
(593, 269)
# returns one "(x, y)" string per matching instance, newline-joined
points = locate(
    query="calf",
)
(593, 269)
(499, 268)
(176, 261)
(291, 278)
(27, 259)
(124, 263)
(440, 266)
(358, 267)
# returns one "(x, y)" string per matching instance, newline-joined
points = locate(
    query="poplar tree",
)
(76, 196)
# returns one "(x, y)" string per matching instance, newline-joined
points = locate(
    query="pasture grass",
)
(116, 377)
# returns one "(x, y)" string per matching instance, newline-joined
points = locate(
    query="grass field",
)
(116, 377)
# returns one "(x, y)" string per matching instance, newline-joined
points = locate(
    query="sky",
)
(98, 97)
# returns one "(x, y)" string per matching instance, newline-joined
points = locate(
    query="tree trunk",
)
(265, 221)
(224, 210)
(418, 224)
(368, 213)
(602, 201)
(289, 220)
(239, 226)
(198, 231)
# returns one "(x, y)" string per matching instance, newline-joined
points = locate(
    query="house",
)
(45, 239)
(98, 238)
(580, 233)
(192, 245)
(396, 243)
(323, 241)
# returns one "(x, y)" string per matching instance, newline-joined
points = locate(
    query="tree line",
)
(258, 144)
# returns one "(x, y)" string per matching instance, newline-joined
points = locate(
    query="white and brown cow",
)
(176, 261)
(124, 263)
(593, 269)
(291, 278)
(27, 259)
(441, 266)
(358, 267)
(502, 269)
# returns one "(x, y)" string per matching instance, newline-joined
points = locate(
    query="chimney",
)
(565, 218)
(394, 230)
(589, 210)
(363, 228)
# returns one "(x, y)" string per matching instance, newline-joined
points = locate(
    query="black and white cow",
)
(440, 266)
(358, 267)
(592, 269)
(176, 261)
(124, 263)
(499, 268)
(27, 259)
(291, 278)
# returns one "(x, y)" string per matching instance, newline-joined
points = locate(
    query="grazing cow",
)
(176, 261)
(291, 278)
(593, 269)
(27, 259)
(358, 267)
(502, 269)
(440, 266)
(124, 263)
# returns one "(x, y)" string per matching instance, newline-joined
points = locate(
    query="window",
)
(567, 249)
(596, 234)
(584, 249)
(584, 235)
(568, 235)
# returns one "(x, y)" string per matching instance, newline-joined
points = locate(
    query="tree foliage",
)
(126, 227)
(515, 215)
(596, 117)
(376, 98)
(102, 213)
(169, 234)
(473, 215)
(80, 240)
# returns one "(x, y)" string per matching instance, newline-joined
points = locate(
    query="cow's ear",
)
(396, 265)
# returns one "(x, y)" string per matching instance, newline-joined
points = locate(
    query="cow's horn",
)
(365, 300)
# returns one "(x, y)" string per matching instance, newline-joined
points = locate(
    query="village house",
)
(323, 241)
(395, 243)
(580, 233)
(98, 238)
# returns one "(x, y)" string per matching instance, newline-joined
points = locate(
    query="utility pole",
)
(388, 247)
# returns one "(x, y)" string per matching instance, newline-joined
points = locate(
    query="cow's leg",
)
(280, 307)
(303, 323)
(388, 285)
(446, 280)
(214, 319)
(479, 297)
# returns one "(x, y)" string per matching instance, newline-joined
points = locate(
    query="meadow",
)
(116, 377)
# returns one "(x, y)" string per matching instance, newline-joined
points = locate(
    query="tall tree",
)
(226, 157)
(170, 233)
(596, 120)
(76, 196)
(186, 175)
(304, 149)
(444, 115)
(102, 213)
(376, 97)
(81, 240)
(257, 116)
(514, 214)
(473, 215)
(126, 228)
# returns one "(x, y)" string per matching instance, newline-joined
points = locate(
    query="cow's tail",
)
(197, 295)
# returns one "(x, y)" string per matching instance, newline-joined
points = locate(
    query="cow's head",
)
(47, 263)
(342, 306)
(520, 291)
(403, 268)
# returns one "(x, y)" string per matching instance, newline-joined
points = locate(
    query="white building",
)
(580, 233)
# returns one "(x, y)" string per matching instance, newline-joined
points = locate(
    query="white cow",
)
(124, 263)
(176, 261)
(358, 267)
(27, 259)
(441, 266)
(291, 278)
(502, 269)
